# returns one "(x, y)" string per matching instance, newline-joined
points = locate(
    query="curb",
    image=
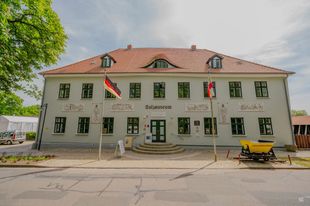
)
(176, 168)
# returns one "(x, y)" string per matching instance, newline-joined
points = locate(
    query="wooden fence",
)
(302, 141)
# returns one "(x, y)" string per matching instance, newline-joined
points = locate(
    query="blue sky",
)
(274, 33)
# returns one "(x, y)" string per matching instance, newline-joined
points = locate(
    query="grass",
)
(28, 158)
(302, 161)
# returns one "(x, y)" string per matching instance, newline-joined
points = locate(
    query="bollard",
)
(289, 158)
(227, 154)
(239, 159)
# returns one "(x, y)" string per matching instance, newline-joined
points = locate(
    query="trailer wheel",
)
(9, 142)
(21, 142)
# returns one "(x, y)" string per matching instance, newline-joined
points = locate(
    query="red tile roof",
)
(187, 61)
(301, 120)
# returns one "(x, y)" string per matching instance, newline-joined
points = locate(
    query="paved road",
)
(80, 187)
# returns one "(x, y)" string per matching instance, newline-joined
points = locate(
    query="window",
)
(135, 90)
(133, 125)
(296, 129)
(60, 125)
(208, 125)
(64, 91)
(87, 91)
(216, 63)
(183, 90)
(235, 89)
(308, 130)
(160, 64)
(159, 89)
(302, 129)
(109, 95)
(108, 125)
(205, 89)
(237, 126)
(106, 62)
(184, 126)
(261, 89)
(265, 126)
(83, 125)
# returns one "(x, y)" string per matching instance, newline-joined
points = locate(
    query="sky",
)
(270, 32)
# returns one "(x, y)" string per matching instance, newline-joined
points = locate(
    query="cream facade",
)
(165, 111)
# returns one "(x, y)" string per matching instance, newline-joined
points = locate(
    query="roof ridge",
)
(251, 62)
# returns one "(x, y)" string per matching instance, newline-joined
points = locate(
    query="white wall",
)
(275, 106)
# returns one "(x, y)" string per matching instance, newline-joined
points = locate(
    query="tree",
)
(31, 36)
(10, 104)
(299, 113)
(32, 110)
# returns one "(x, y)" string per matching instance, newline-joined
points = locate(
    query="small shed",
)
(19, 123)
(301, 125)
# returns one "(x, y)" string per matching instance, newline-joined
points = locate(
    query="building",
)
(164, 93)
(301, 125)
(19, 123)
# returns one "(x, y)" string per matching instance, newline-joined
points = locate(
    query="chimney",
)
(193, 47)
(129, 46)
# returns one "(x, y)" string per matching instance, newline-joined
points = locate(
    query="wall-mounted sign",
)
(196, 123)
(122, 107)
(158, 107)
(73, 107)
(251, 107)
(197, 107)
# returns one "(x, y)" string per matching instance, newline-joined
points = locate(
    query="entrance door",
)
(158, 130)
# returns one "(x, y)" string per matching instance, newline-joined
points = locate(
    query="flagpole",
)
(101, 117)
(212, 121)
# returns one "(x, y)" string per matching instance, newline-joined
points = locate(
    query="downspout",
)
(288, 109)
(35, 145)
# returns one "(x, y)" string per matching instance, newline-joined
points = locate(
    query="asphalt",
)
(192, 158)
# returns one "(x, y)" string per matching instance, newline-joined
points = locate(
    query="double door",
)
(158, 130)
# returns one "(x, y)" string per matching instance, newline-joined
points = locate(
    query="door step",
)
(158, 148)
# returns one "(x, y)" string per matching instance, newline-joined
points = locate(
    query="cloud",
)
(274, 32)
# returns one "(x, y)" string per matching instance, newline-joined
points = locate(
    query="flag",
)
(111, 87)
(210, 86)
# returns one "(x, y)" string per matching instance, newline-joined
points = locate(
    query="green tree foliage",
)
(11, 104)
(299, 113)
(31, 111)
(31, 36)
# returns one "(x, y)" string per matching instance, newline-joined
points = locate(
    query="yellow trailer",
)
(256, 150)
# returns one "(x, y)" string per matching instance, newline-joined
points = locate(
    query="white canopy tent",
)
(22, 124)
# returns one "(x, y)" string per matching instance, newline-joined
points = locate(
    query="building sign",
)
(197, 107)
(122, 107)
(73, 107)
(196, 123)
(158, 107)
(251, 107)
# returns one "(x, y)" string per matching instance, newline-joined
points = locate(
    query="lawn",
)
(28, 158)
(302, 161)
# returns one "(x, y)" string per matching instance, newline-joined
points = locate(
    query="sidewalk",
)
(192, 158)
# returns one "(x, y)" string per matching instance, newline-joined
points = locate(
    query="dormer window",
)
(106, 61)
(160, 64)
(215, 62)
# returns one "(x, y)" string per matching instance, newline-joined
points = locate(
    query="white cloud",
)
(263, 31)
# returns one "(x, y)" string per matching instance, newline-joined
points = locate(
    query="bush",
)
(31, 135)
